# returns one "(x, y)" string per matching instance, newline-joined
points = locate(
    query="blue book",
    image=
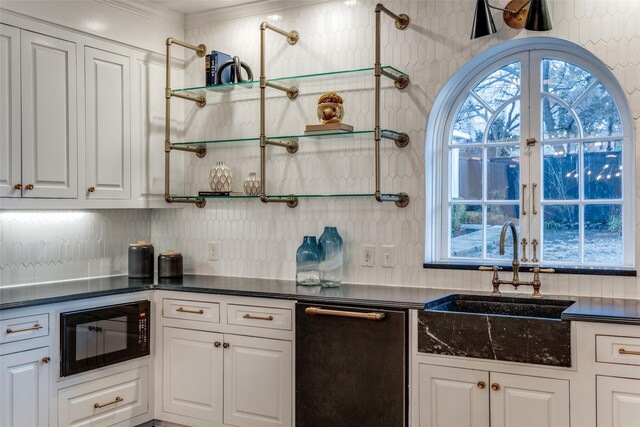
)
(217, 59)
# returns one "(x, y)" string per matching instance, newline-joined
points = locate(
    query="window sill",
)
(608, 271)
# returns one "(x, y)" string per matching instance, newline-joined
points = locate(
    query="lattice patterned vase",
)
(220, 178)
(252, 185)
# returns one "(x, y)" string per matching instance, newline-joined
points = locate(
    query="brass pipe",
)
(292, 92)
(199, 151)
(200, 49)
(201, 203)
(263, 137)
(316, 311)
(292, 36)
(201, 101)
(377, 74)
(291, 146)
(402, 20)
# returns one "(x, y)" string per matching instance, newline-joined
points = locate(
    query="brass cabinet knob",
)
(226, 345)
(46, 359)
(18, 186)
(29, 187)
(481, 385)
(216, 344)
(495, 386)
(91, 189)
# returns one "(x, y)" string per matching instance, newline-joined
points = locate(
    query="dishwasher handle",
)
(316, 311)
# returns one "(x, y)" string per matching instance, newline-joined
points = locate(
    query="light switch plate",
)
(388, 256)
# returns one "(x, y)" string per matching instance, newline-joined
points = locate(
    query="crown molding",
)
(195, 20)
(149, 11)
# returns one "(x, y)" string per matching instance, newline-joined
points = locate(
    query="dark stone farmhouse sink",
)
(500, 328)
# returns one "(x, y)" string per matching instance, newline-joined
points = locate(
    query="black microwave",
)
(102, 336)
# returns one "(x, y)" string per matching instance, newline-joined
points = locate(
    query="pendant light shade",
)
(483, 21)
(538, 18)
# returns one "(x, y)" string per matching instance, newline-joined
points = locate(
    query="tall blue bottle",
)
(307, 262)
(331, 258)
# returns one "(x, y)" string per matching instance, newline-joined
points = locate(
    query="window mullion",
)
(530, 159)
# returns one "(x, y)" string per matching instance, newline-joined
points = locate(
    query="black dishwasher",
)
(350, 366)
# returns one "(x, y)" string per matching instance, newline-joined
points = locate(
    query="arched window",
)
(538, 132)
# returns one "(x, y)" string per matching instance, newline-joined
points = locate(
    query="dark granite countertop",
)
(610, 310)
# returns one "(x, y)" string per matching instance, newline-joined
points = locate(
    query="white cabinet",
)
(618, 402)
(257, 382)
(10, 128)
(24, 387)
(226, 378)
(49, 117)
(458, 397)
(192, 373)
(108, 125)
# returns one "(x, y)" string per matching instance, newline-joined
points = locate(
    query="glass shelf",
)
(386, 133)
(298, 196)
(226, 88)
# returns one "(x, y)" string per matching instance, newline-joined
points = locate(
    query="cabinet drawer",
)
(24, 328)
(191, 310)
(105, 401)
(259, 317)
(623, 350)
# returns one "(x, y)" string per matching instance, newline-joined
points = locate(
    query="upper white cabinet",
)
(107, 125)
(10, 132)
(49, 117)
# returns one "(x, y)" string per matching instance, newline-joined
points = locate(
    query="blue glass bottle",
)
(331, 258)
(307, 262)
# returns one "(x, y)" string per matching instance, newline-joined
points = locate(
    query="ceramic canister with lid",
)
(170, 264)
(141, 260)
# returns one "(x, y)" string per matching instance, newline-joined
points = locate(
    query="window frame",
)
(445, 108)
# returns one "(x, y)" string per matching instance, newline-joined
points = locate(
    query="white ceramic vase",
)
(251, 185)
(220, 178)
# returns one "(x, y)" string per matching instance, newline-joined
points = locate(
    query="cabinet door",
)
(49, 117)
(453, 397)
(192, 374)
(10, 132)
(257, 382)
(24, 387)
(108, 125)
(524, 401)
(618, 402)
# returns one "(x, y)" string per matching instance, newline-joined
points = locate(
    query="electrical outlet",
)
(366, 255)
(388, 256)
(213, 251)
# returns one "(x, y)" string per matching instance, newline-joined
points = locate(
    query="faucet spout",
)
(514, 235)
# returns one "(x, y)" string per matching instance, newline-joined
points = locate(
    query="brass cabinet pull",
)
(629, 352)
(33, 328)
(29, 187)
(91, 189)
(524, 187)
(225, 345)
(216, 344)
(18, 186)
(481, 385)
(182, 310)
(316, 311)
(495, 386)
(116, 400)
(248, 316)
(534, 243)
(533, 199)
(46, 359)
(524, 250)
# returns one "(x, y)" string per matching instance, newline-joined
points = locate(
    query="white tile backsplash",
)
(258, 240)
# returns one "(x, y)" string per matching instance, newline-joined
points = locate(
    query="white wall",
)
(260, 240)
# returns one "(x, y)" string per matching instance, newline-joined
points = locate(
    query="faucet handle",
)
(485, 268)
(537, 270)
(536, 279)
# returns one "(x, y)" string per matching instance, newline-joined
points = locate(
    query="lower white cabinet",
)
(225, 378)
(24, 388)
(457, 397)
(105, 401)
(618, 402)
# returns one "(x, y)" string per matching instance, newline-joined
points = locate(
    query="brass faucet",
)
(515, 281)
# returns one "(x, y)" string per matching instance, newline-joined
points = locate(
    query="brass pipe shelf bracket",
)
(291, 146)
(402, 139)
(401, 21)
(199, 151)
(168, 146)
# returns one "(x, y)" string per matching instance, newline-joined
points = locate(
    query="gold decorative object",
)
(330, 109)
